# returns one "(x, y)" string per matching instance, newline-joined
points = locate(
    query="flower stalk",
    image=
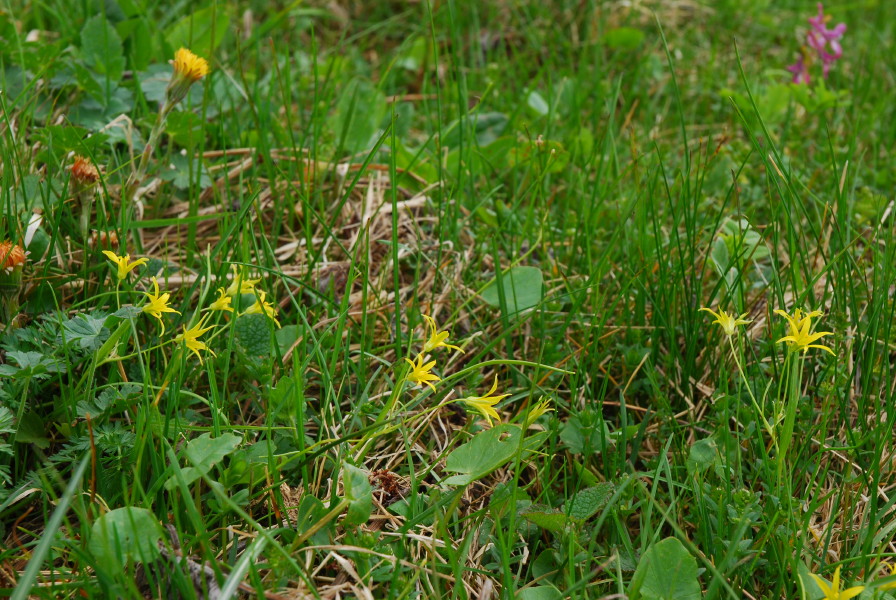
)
(188, 69)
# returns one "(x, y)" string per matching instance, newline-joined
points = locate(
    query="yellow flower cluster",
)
(800, 325)
(242, 285)
(421, 374)
(157, 303)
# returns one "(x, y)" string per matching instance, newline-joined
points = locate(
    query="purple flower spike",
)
(820, 39)
(826, 44)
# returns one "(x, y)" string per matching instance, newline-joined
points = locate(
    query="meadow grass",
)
(561, 186)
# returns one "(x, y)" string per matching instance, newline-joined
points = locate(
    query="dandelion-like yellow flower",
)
(420, 372)
(157, 304)
(541, 407)
(727, 322)
(263, 308)
(240, 285)
(190, 337)
(190, 66)
(800, 325)
(188, 69)
(12, 256)
(222, 303)
(485, 405)
(436, 338)
(832, 591)
(124, 263)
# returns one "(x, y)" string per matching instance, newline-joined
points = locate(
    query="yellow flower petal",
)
(157, 304)
(436, 338)
(727, 322)
(420, 372)
(123, 263)
(800, 325)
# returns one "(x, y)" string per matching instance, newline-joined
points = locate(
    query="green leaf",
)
(101, 48)
(719, 255)
(667, 571)
(522, 287)
(108, 400)
(286, 336)
(587, 502)
(253, 332)
(94, 114)
(541, 153)
(540, 592)
(585, 433)
(86, 331)
(31, 364)
(358, 115)
(358, 492)
(483, 454)
(309, 513)
(187, 129)
(31, 429)
(547, 518)
(123, 534)
(201, 32)
(702, 455)
(204, 453)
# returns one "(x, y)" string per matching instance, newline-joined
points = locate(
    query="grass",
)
(562, 186)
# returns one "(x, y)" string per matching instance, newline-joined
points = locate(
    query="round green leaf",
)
(123, 534)
(521, 286)
(667, 571)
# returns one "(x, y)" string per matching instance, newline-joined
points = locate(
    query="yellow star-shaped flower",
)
(832, 591)
(124, 263)
(222, 303)
(240, 285)
(727, 322)
(542, 407)
(800, 325)
(436, 338)
(157, 304)
(485, 405)
(190, 337)
(263, 308)
(420, 372)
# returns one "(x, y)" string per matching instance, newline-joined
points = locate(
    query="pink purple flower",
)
(820, 38)
(825, 42)
(800, 71)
